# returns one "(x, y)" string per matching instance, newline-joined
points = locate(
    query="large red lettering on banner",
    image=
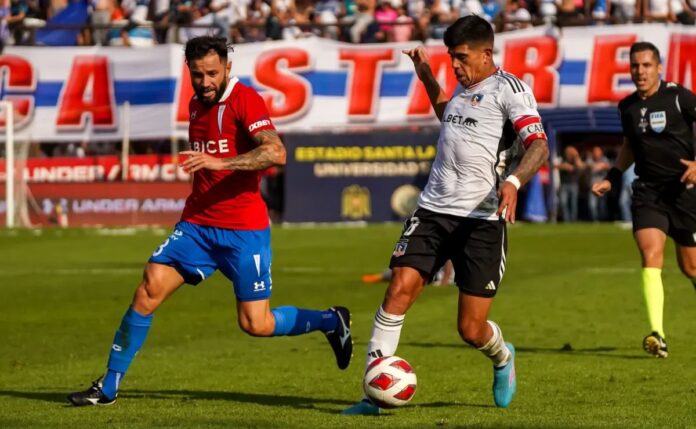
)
(88, 91)
(19, 76)
(535, 58)
(681, 59)
(419, 104)
(606, 67)
(184, 96)
(364, 78)
(292, 93)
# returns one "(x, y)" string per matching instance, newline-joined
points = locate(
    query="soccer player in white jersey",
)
(470, 196)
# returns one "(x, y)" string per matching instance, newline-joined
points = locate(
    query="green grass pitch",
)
(570, 302)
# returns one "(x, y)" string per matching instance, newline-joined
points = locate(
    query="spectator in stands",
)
(492, 11)
(597, 167)
(625, 11)
(326, 14)
(683, 13)
(101, 16)
(467, 7)
(385, 16)
(658, 10)
(627, 193)
(571, 12)
(547, 10)
(364, 16)
(516, 17)
(282, 12)
(598, 10)
(256, 22)
(570, 167)
(15, 21)
(403, 30)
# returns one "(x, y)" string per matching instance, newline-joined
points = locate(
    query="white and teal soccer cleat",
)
(91, 396)
(655, 345)
(362, 408)
(505, 381)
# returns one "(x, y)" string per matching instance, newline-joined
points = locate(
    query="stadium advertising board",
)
(356, 177)
(73, 94)
(89, 191)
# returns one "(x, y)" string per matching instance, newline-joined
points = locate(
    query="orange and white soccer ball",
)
(390, 382)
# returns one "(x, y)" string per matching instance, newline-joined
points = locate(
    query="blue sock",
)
(291, 320)
(128, 340)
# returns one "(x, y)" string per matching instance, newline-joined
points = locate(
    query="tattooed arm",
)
(537, 153)
(270, 152)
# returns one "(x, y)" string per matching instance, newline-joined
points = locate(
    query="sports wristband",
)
(614, 177)
(515, 181)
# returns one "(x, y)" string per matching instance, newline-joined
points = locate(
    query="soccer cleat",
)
(91, 396)
(340, 338)
(362, 408)
(373, 278)
(655, 345)
(505, 381)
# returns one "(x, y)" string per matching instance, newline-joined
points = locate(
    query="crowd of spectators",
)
(147, 22)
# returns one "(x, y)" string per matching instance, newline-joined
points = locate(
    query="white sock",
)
(385, 335)
(495, 348)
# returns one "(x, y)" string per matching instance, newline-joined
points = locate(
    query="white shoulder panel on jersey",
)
(518, 101)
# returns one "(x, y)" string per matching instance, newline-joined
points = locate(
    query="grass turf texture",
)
(570, 301)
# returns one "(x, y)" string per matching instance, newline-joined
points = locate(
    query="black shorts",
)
(671, 209)
(476, 247)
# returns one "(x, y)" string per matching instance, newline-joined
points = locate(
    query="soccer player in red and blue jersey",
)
(224, 225)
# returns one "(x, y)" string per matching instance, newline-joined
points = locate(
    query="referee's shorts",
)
(669, 208)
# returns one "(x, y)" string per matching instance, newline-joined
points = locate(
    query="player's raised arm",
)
(421, 64)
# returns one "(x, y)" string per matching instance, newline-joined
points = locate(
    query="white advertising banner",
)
(313, 85)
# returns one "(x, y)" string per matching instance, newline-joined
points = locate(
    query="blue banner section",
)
(137, 92)
(374, 177)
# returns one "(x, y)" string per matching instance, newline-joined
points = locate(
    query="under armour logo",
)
(259, 286)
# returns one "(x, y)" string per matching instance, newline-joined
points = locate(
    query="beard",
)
(218, 94)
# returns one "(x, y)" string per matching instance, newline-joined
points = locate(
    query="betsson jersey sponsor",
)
(227, 199)
(483, 133)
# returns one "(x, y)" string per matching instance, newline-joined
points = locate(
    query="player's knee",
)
(472, 332)
(652, 257)
(146, 299)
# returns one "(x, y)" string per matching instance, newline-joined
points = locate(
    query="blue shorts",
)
(244, 257)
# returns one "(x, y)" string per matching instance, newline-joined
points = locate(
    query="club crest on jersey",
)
(476, 99)
(658, 121)
(400, 248)
(193, 115)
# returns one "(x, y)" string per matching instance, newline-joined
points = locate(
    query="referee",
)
(657, 121)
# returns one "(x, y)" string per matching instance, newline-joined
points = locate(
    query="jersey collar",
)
(476, 85)
(228, 90)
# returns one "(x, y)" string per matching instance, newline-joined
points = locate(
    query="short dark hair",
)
(646, 46)
(199, 47)
(470, 29)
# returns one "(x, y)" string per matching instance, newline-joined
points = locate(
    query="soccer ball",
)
(389, 382)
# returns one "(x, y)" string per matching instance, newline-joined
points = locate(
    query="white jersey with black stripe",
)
(481, 139)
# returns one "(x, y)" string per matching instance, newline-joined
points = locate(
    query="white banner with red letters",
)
(78, 94)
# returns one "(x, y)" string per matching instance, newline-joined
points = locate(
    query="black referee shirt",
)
(660, 131)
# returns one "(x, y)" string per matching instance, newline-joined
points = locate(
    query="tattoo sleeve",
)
(270, 152)
(537, 153)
